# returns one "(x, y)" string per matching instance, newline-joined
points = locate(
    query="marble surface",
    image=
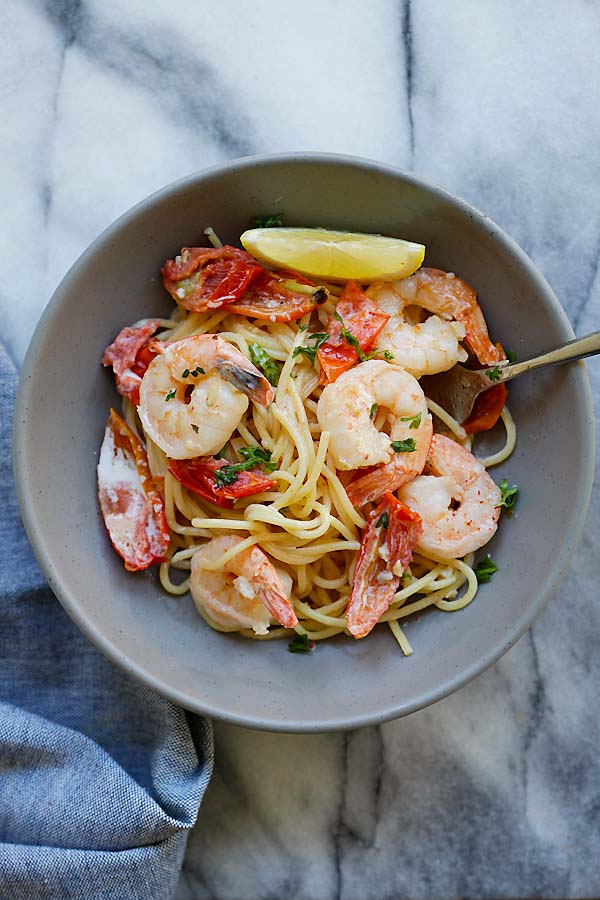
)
(494, 792)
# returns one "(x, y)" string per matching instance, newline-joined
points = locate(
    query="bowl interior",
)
(63, 405)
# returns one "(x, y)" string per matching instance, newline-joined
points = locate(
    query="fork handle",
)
(572, 350)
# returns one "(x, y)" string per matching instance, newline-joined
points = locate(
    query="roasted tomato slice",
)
(199, 476)
(271, 297)
(363, 319)
(130, 355)
(392, 531)
(132, 505)
(486, 409)
(145, 357)
(204, 278)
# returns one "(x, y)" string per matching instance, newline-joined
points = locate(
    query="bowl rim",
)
(34, 530)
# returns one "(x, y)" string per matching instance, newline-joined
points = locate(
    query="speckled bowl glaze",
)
(63, 403)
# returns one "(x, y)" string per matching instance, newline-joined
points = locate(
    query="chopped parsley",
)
(349, 337)
(485, 569)
(310, 351)
(509, 496)
(170, 395)
(261, 359)
(388, 355)
(493, 374)
(383, 521)
(373, 411)
(256, 455)
(511, 355)
(253, 457)
(273, 221)
(300, 643)
(415, 421)
(407, 446)
(194, 372)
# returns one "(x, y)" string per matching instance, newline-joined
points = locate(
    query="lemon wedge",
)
(334, 255)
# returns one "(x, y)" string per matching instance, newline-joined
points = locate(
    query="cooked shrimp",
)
(194, 394)
(385, 551)
(348, 409)
(458, 502)
(448, 297)
(424, 348)
(248, 592)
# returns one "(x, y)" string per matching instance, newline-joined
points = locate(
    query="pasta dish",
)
(276, 455)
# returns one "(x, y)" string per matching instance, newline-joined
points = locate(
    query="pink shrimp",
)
(449, 297)
(458, 502)
(194, 394)
(247, 592)
(354, 410)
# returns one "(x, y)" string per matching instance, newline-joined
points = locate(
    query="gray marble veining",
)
(494, 792)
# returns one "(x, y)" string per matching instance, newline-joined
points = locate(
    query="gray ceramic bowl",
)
(62, 408)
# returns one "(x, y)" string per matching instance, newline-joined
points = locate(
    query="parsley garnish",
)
(415, 421)
(355, 344)
(407, 446)
(493, 374)
(375, 353)
(373, 411)
(311, 350)
(485, 569)
(194, 373)
(260, 358)
(273, 221)
(253, 456)
(170, 395)
(509, 496)
(511, 355)
(383, 521)
(301, 644)
(349, 337)
(258, 455)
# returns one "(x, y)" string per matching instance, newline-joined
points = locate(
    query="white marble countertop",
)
(494, 792)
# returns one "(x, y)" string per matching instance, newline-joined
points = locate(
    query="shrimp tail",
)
(279, 606)
(452, 295)
(369, 487)
(247, 380)
(477, 338)
(269, 588)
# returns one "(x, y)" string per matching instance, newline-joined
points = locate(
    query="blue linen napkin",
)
(100, 779)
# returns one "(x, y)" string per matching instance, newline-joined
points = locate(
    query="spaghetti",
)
(306, 524)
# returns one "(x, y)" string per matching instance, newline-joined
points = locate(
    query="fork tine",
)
(455, 390)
